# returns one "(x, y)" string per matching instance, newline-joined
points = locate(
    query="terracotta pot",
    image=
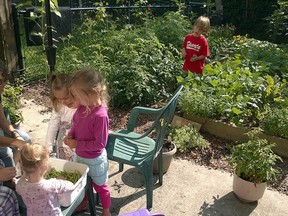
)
(248, 191)
(167, 159)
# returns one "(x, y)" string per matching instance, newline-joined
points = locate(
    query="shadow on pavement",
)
(229, 204)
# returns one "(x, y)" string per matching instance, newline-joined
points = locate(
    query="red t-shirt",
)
(195, 46)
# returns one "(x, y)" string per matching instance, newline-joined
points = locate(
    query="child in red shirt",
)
(195, 46)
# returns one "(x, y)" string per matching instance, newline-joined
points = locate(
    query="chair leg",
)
(121, 167)
(97, 199)
(148, 176)
(91, 197)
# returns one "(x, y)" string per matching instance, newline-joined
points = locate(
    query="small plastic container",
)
(67, 198)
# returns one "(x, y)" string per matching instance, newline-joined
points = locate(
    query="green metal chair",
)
(139, 150)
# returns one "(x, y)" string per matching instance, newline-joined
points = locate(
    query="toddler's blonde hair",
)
(203, 24)
(33, 157)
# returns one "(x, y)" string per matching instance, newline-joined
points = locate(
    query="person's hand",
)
(72, 143)
(18, 143)
(7, 173)
(20, 138)
(194, 58)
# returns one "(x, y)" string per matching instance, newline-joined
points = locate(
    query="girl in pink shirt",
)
(89, 131)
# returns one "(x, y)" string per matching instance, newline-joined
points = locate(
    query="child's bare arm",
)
(184, 53)
(196, 58)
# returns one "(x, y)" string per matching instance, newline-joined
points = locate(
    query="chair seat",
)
(130, 151)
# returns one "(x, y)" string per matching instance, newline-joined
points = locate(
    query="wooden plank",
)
(9, 49)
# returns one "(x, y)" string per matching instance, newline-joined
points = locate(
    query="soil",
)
(214, 157)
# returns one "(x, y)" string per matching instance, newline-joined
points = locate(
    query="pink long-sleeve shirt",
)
(90, 130)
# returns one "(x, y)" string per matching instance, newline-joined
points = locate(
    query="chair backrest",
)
(164, 119)
(159, 128)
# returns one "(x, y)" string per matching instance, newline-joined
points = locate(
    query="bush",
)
(186, 138)
(11, 103)
(194, 102)
(275, 123)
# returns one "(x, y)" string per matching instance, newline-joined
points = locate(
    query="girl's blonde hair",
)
(33, 157)
(203, 24)
(86, 81)
(58, 82)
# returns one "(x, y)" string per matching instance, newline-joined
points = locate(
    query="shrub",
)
(275, 123)
(194, 102)
(186, 138)
(11, 103)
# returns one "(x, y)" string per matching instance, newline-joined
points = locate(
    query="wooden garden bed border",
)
(230, 132)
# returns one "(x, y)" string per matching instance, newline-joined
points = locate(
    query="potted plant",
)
(168, 150)
(183, 138)
(254, 162)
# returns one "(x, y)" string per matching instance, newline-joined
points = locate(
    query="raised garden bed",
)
(234, 133)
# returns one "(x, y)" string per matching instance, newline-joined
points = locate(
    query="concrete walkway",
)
(187, 189)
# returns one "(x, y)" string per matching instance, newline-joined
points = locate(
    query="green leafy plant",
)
(236, 91)
(11, 103)
(194, 102)
(254, 159)
(276, 122)
(277, 23)
(186, 138)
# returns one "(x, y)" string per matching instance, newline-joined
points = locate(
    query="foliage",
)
(269, 55)
(237, 91)
(220, 39)
(275, 123)
(39, 15)
(278, 23)
(36, 65)
(248, 16)
(195, 102)
(11, 103)
(138, 67)
(254, 160)
(171, 28)
(187, 137)
(142, 63)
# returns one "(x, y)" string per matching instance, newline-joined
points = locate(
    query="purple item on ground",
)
(142, 212)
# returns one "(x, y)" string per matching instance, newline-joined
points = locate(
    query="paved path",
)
(187, 189)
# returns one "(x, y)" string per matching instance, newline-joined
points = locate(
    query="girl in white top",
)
(60, 121)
